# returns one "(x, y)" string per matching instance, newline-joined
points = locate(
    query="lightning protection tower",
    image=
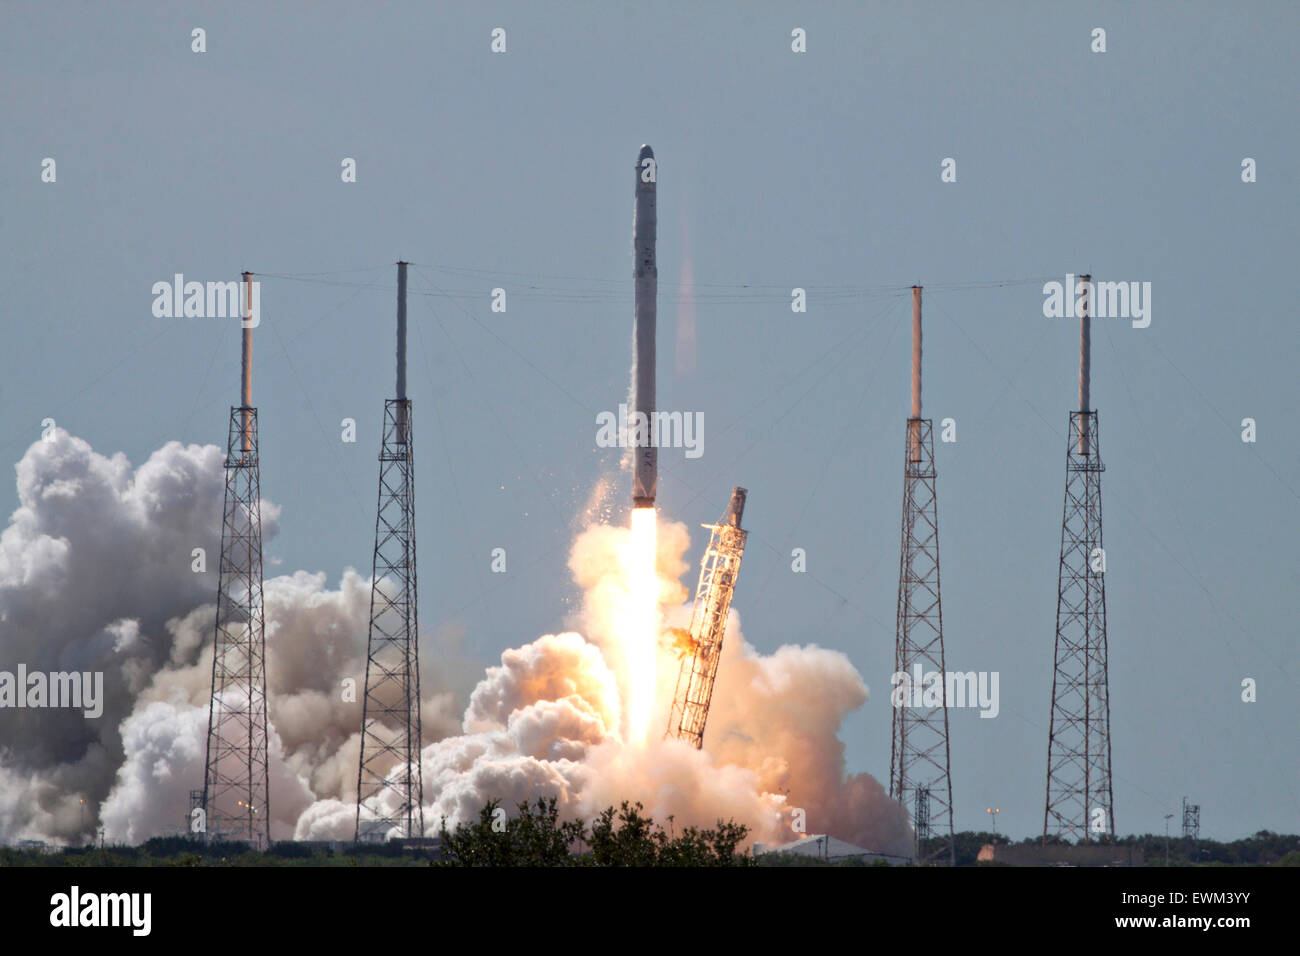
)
(236, 785)
(918, 760)
(390, 785)
(703, 644)
(1079, 801)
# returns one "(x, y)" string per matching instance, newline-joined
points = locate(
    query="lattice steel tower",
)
(1191, 820)
(1079, 799)
(918, 760)
(703, 644)
(236, 784)
(390, 784)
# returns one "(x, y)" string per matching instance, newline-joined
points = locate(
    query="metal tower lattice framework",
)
(236, 782)
(921, 817)
(918, 759)
(1191, 820)
(699, 666)
(390, 782)
(1080, 804)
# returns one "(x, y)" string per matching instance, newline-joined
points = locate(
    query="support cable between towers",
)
(1136, 516)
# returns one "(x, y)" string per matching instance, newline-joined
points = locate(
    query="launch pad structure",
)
(390, 781)
(919, 758)
(235, 800)
(390, 796)
(699, 666)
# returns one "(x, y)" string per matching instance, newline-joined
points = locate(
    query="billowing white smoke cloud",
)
(95, 574)
(93, 564)
(164, 746)
(545, 723)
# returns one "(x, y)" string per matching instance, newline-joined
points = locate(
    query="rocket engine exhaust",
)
(646, 273)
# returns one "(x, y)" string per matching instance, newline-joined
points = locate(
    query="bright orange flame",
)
(682, 642)
(640, 626)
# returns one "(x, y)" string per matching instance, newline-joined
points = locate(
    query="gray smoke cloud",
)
(96, 574)
(93, 564)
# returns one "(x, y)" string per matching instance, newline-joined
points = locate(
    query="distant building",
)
(429, 844)
(375, 831)
(1061, 854)
(829, 849)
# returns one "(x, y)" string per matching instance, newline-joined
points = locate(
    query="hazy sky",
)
(776, 169)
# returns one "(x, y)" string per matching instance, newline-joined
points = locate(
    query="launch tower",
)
(918, 761)
(236, 784)
(1079, 801)
(703, 648)
(390, 784)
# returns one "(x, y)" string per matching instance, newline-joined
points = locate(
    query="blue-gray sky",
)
(776, 169)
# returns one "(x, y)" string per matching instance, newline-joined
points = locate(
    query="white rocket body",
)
(644, 227)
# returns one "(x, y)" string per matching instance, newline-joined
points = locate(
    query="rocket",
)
(646, 273)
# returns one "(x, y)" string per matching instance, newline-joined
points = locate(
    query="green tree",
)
(638, 841)
(622, 837)
(534, 837)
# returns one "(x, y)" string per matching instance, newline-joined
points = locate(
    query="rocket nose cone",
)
(646, 153)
